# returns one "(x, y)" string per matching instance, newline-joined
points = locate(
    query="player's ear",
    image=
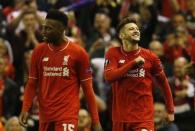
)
(121, 35)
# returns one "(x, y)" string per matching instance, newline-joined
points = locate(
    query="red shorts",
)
(58, 126)
(138, 126)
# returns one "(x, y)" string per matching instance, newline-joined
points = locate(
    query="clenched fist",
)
(139, 60)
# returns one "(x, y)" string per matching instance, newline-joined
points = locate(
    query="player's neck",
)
(60, 42)
(128, 46)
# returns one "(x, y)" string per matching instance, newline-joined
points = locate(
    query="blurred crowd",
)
(167, 28)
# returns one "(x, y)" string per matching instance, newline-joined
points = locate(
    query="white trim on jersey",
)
(30, 77)
(86, 79)
(61, 49)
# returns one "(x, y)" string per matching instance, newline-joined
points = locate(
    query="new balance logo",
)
(121, 61)
(45, 59)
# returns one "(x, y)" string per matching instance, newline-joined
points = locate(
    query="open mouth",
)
(136, 34)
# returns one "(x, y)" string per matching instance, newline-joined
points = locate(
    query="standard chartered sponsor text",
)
(55, 71)
(45, 68)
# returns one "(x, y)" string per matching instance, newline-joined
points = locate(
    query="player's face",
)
(52, 31)
(130, 32)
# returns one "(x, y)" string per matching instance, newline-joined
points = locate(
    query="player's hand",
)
(170, 118)
(23, 118)
(97, 127)
(139, 60)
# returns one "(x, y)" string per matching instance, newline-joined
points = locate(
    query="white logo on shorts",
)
(145, 130)
(68, 127)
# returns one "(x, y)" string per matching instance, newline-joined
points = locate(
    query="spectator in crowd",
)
(13, 125)
(170, 7)
(178, 44)
(7, 54)
(84, 123)
(183, 93)
(23, 40)
(102, 34)
(157, 47)
(22, 6)
(9, 94)
(160, 122)
(190, 17)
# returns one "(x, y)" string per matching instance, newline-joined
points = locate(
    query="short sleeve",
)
(110, 60)
(84, 68)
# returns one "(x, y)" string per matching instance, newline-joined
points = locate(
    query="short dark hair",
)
(57, 15)
(125, 21)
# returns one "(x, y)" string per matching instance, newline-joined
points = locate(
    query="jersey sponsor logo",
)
(65, 60)
(66, 71)
(106, 62)
(56, 71)
(136, 73)
(141, 72)
(121, 61)
(45, 59)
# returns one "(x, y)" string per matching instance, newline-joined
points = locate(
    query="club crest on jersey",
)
(45, 59)
(65, 60)
(121, 61)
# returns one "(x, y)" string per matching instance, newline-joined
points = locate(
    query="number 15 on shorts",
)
(68, 127)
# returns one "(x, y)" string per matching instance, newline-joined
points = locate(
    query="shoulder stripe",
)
(32, 77)
(66, 45)
(107, 70)
(87, 79)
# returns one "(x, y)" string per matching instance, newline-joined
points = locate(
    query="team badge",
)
(45, 59)
(65, 61)
(121, 61)
(66, 72)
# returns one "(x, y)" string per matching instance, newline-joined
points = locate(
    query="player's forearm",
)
(112, 75)
(29, 94)
(90, 97)
(163, 82)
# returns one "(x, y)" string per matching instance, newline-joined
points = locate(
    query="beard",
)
(134, 41)
(52, 39)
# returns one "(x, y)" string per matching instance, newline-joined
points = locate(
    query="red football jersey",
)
(132, 93)
(59, 71)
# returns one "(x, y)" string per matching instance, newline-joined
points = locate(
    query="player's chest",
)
(58, 60)
(121, 61)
